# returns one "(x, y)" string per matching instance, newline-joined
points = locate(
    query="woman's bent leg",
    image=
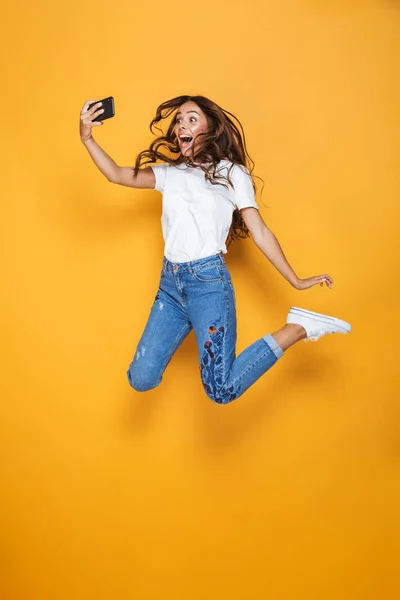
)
(166, 328)
(212, 310)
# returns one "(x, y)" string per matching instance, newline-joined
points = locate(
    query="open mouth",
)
(185, 141)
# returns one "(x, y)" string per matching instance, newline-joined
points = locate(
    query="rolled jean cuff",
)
(273, 344)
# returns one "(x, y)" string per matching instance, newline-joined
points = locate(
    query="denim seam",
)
(214, 260)
(206, 265)
(217, 266)
(207, 280)
(225, 332)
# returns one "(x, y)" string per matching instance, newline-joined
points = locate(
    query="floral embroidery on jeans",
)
(211, 367)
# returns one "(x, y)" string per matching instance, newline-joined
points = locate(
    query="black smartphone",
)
(109, 109)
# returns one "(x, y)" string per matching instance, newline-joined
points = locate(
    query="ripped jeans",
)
(199, 295)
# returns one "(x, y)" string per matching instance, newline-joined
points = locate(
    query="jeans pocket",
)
(208, 273)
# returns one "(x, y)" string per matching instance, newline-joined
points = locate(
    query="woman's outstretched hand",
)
(304, 284)
(86, 119)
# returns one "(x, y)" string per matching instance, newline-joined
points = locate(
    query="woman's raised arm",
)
(114, 173)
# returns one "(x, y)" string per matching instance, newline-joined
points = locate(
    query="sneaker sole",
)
(302, 312)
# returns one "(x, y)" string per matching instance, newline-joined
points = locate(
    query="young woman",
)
(208, 200)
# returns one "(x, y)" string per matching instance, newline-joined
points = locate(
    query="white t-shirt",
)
(196, 215)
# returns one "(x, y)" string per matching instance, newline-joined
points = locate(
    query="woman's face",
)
(190, 121)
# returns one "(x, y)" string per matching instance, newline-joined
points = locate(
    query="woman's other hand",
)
(304, 284)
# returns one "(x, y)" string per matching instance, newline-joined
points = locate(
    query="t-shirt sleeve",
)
(243, 194)
(160, 172)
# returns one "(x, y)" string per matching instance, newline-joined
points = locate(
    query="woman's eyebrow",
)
(189, 111)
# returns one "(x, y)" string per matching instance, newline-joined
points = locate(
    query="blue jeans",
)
(199, 295)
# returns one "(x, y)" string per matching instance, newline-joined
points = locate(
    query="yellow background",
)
(291, 492)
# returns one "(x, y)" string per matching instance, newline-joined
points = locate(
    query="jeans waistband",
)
(194, 265)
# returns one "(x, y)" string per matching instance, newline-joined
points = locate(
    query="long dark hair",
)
(224, 141)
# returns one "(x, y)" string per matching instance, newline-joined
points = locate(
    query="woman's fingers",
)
(85, 109)
(325, 279)
(86, 106)
(321, 280)
(317, 280)
(87, 117)
(95, 107)
(93, 115)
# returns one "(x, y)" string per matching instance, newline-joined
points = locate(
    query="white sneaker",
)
(315, 324)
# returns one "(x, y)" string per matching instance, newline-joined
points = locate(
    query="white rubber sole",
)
(302, 312)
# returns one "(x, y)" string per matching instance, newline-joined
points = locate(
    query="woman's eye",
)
(179, 120)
